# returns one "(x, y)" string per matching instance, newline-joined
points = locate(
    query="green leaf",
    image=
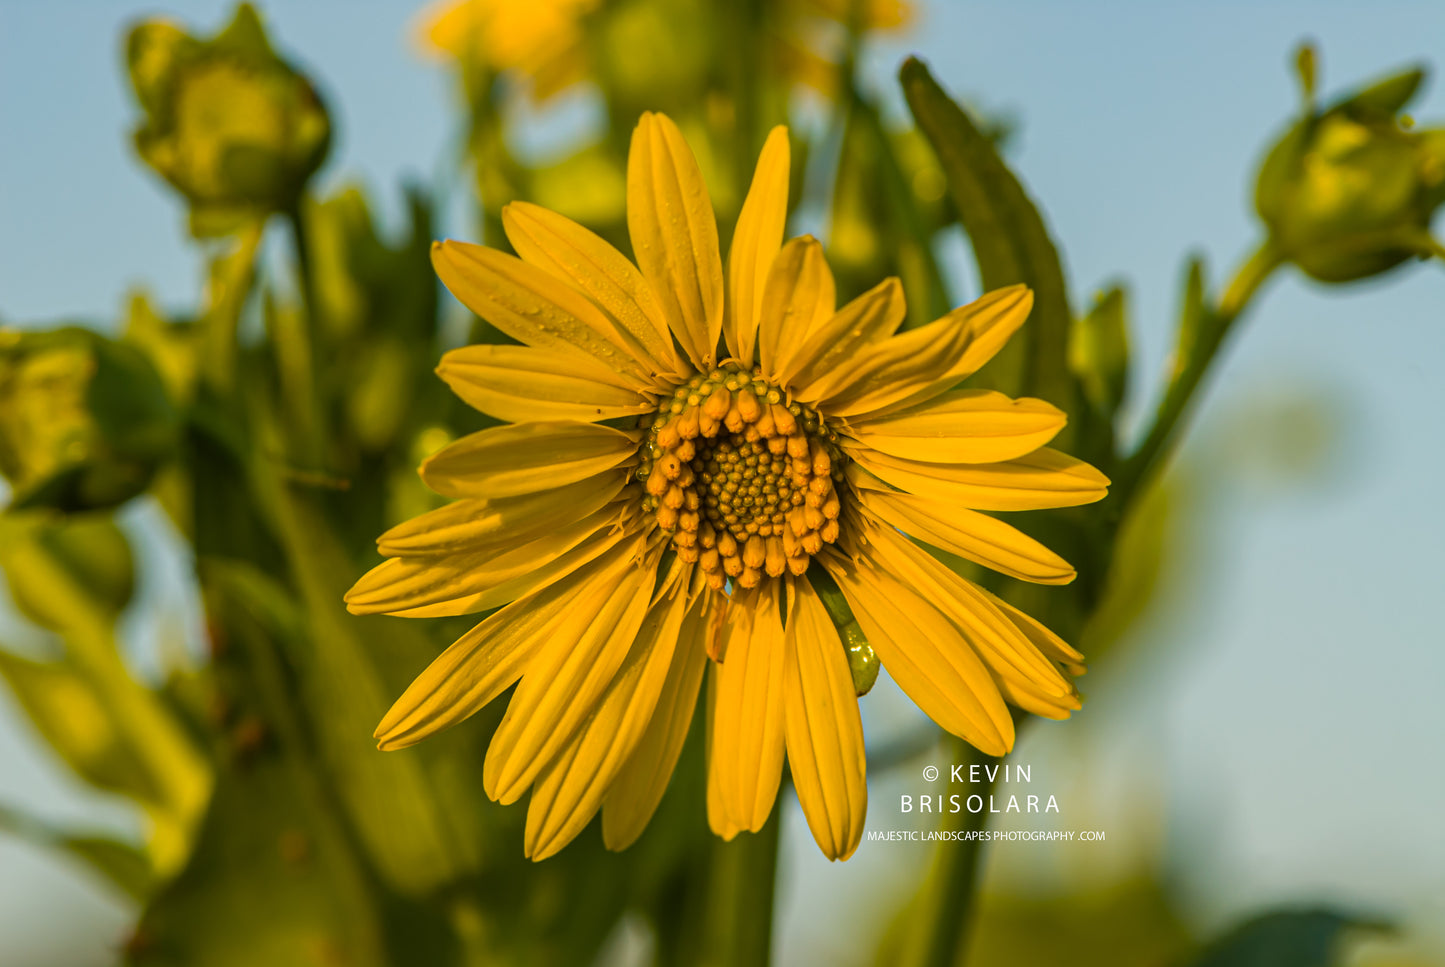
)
(1099, 352)
(1010, 240)
(113, 730)
(1286, 938)
(1193, 311)
(75, 722)
(270, 882)
(1385, 98)
(351, 669)
(121, 864)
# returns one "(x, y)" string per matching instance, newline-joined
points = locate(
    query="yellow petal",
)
(925, 655)
(719, 818)
(1006, 650)
(569, 791)
(469, 524)
(1057, 708)
(1041, 479)
(532, 306)
(835, 341)
(571, 252)
(638, 788)
(990, 322)
(747, 737)
(505, 461)
(979, 538)
(920, 363)
(965, 426)
(519, 384)
(487, 660)
(888, 370)
(452, 584)
(674, 235)
(756, 240)
(565, 680)
(1049, 644)
(798, 296)
(823, 727)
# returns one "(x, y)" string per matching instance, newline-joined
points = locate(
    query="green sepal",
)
(1099, 352)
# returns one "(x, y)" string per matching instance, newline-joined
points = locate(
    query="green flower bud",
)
(231, 126)
(84, 420)
(1349, 191)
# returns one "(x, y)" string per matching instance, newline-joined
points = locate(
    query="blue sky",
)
(1288, 717)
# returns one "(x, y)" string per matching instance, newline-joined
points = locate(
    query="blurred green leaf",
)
(1385, 98)
(589, 187)
(1134, 921)
(879, 224)
(1099, 352)
(73, 719)
(1150, 538)
(270, 882)
(96, 714)
(351, 669)
(1193, 312)
(121, 864)
(1286, 938)
(1010, 240)
(376, 319)
(89, 549)
(172, 347)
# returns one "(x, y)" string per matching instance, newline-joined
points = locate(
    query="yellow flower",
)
(543, 40)
(537, 39)
(658, 500)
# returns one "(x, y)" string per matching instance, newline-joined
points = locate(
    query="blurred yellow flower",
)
(808, 47)
(538, 39)
(543, 40)
(694, 461)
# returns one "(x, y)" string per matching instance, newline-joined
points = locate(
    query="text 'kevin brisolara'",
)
(976, 804)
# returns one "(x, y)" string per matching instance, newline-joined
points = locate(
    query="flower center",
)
(743, 480)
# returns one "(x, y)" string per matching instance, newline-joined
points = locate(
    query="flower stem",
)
(1148, 460)
(299, 354)
(739, 928)
(232, 278)
(946, 905)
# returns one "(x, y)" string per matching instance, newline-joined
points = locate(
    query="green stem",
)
(947, 903)
(232, 277)
(741, 22)
(300, 359)
(739, 928)
(1148, 460)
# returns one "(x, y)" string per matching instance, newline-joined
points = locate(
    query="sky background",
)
(1276, 722)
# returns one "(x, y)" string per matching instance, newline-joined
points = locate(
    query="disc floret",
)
(745, 480)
